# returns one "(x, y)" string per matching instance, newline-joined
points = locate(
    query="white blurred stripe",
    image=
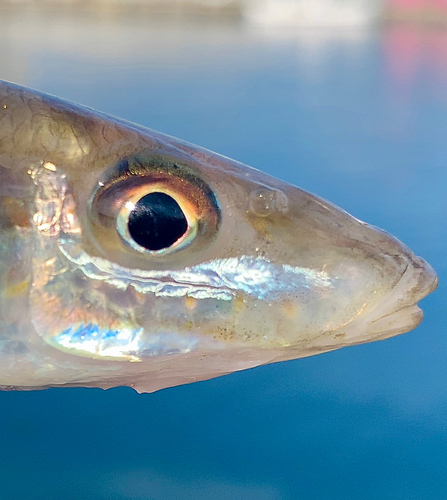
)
(312, 12)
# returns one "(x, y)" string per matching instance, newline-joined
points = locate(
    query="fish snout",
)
(398, 312)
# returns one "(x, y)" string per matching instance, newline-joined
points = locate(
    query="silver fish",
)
(128, 257)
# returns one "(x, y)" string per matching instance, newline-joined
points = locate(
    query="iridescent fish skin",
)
(265, 271)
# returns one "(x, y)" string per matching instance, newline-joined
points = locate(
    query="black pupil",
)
(157, 221)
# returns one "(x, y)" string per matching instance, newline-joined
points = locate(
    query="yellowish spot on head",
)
(141, 297)
(239, 304)
(14, 290)
(190, 303)
(290, 310)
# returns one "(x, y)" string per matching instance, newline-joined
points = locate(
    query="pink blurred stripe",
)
(412, 5)
(407, 4)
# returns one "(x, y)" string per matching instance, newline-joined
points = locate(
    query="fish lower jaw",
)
(398, 322)
(361, 332)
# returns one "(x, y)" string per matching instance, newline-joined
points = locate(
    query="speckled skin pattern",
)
(266, 272)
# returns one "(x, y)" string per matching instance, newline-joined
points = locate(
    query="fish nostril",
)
(265, 201)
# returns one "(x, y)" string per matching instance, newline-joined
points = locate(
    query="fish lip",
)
(416, 282)
(398, 312)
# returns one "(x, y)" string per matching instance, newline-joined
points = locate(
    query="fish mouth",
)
(399, 311)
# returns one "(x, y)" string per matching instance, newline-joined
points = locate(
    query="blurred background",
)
(347, 99)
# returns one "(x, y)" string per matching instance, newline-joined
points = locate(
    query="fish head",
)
(132, 258)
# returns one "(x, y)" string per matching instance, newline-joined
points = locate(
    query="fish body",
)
(128, 257)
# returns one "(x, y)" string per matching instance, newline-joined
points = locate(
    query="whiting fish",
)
(128, 257)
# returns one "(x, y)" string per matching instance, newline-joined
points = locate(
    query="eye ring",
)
(191, 200)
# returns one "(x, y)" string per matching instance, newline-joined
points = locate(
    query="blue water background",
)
(357, 116)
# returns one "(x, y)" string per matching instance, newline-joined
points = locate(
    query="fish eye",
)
(148, 207)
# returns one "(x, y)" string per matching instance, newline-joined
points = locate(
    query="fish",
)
(132, 258)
